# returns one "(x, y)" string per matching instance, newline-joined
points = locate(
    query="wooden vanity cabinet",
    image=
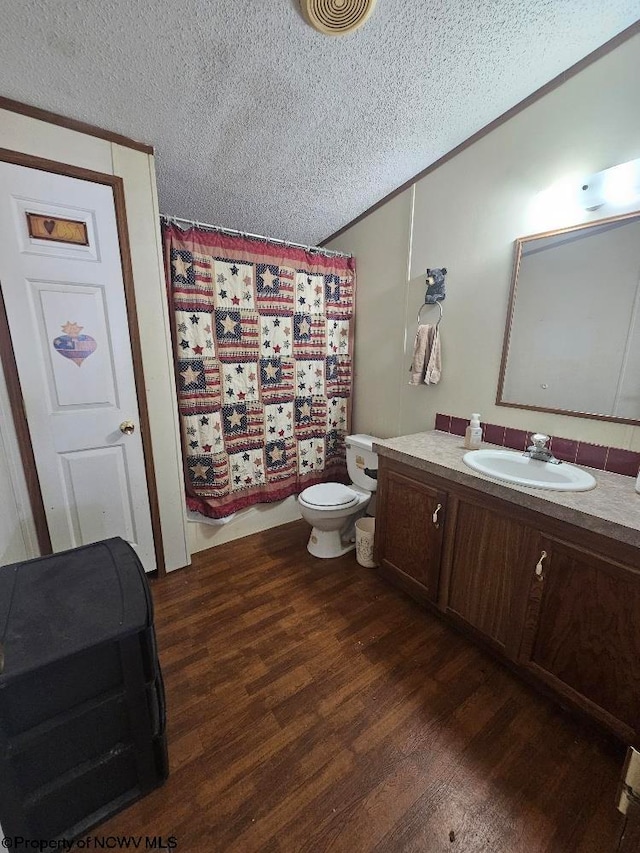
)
(560, 603)
(582, 632)
(410, 517)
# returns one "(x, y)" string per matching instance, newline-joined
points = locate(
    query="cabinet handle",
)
(539, 574)
(435, 515)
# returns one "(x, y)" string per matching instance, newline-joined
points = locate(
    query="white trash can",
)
(365, 532)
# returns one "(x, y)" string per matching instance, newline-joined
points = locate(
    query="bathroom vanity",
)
(548, 581)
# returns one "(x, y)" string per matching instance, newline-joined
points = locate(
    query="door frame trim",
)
(7, 357)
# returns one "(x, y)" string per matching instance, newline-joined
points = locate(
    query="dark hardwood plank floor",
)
(312, 707)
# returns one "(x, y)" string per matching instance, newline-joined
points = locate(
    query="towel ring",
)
(427, 305)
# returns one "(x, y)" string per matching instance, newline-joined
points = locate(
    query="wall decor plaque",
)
(44, 227)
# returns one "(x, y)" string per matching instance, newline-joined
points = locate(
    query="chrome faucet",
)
(540, 451)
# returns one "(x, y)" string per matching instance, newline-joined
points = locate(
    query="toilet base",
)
(328, 543)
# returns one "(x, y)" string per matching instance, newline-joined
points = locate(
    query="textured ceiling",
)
(262, 124)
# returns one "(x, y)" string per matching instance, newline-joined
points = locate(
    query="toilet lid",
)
(329, 495)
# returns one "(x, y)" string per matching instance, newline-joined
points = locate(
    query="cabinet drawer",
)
(51, 750)
(54, 689)
(82, 797)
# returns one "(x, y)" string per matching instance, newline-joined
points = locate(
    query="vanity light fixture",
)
(618, 187)
(556, 206)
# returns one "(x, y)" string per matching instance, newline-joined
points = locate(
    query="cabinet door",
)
(487, 584)
(582, 633)
(412, 519)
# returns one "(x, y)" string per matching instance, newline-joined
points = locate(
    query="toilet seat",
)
(329, 496)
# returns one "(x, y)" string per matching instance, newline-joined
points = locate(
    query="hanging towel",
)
(420, 355)
(426, 366)
(434, 364)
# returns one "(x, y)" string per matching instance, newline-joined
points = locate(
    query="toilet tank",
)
(361, 456)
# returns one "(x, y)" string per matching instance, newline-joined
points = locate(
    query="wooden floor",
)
(312, 707)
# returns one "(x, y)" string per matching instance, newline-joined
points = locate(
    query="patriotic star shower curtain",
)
(263, 343)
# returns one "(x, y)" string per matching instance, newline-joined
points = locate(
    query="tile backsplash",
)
(613, 459)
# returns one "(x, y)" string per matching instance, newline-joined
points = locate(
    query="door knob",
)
(127, 427)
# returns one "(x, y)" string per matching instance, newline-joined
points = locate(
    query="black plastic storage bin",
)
(82, 708)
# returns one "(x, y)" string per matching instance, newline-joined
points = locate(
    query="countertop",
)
(611, 509)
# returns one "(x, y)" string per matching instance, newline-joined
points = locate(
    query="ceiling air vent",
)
(337, 17)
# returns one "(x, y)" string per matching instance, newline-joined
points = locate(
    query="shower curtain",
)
(263, 340)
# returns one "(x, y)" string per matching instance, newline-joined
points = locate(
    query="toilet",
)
(332, 509)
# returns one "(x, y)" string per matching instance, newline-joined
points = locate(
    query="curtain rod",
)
(206, 227)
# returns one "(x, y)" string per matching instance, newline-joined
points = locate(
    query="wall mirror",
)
(572, 340)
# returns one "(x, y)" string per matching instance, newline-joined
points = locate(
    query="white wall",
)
(382, 251)
(31, 136)
(18, 539)
(466, 215)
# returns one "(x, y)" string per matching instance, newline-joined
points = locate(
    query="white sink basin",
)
(513, 467)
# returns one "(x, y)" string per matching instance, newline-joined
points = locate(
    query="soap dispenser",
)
(473, 435)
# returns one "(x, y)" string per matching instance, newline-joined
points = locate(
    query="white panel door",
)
(68, 321)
